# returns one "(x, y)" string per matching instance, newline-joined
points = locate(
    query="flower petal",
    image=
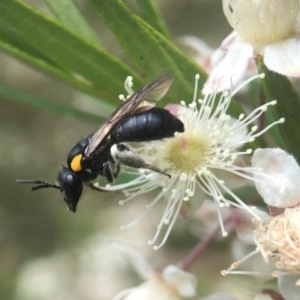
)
(262, 22)
(231, 38)
(284, 57)
(288, 288)
(279, 184)
(185, 283)
(231, 69)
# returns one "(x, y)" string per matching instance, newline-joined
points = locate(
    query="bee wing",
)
(154, 90)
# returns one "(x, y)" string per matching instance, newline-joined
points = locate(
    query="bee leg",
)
(111, 170)
(123, 154)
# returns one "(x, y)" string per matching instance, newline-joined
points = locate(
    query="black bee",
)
(102, 152)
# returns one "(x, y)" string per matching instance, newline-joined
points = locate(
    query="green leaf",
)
(42, 38)
(149, 50)
(278, 87)
(22, 97)
(151, 15)
(68, 14)
(46, 66)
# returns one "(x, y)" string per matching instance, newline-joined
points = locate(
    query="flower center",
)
(186, 152)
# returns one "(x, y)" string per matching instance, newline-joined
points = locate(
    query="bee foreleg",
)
(126, 156)
(111, 170)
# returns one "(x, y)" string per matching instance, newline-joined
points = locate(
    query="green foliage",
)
(68, 49)
(20, 96)
(279, 87)
(149, 50)
(69, 15)
(151, 15)
(55, 49)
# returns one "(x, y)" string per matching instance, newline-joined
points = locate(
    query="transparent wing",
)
(154, 90)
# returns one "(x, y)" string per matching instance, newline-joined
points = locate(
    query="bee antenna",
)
(40, 184)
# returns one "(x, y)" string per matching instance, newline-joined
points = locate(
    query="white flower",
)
(262, 22)
(269, 28)
(95, 270)
(231, 63)
(277, 238)
(46, 278)
(172, 284)
(279, 186)
(208, 146)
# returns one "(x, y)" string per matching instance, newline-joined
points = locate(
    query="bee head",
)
(70, 185)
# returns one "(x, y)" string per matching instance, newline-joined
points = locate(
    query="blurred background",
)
(46, 252)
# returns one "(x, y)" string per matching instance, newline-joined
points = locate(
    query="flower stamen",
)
(209, 143)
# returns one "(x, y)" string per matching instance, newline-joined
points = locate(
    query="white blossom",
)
(209, 145)
(268, 28)
(171, 284)
(277, 237)
(279, 186)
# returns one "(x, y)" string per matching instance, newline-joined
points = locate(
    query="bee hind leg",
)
(126, 156)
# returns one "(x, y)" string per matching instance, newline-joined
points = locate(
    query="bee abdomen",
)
(153, 124)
